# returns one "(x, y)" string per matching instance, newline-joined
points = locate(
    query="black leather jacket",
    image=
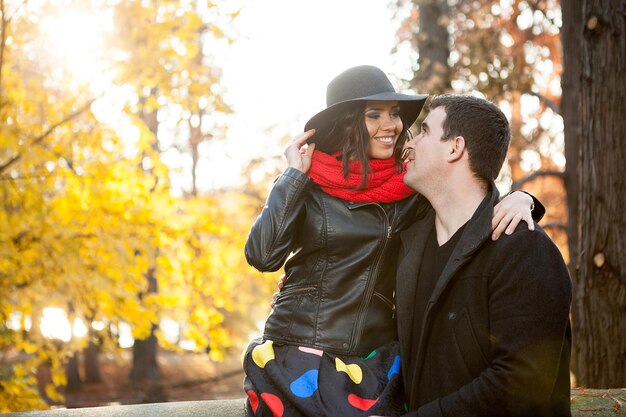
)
(338, 295)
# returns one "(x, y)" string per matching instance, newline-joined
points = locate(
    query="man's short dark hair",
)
(483, 126)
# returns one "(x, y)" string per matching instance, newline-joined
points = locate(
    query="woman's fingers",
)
(508, 213)
(301, 139)
(310, 149)
(274, 299)
(306, 157)
(498, 224)
(281, 282)
(497, 217)
(294, 157)
(509, 222)
(512, 224)
(528, 218)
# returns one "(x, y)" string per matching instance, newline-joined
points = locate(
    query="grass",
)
(598, 402)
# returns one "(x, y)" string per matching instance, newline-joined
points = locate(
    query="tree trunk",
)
(72, 374)
(91, 367)
(145, 371)
(599, 264)
(145, 367)
(571, 39)
(92, 370)
(195, 137)
(433, 76)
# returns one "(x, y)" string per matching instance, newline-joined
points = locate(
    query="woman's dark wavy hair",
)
(347, 133)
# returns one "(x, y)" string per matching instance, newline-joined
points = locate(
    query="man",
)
(483, 325)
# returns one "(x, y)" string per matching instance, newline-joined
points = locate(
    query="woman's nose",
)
(387, 123)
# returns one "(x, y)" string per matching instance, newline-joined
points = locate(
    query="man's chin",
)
(411, 183)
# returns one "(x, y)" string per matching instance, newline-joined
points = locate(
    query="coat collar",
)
(477, 232)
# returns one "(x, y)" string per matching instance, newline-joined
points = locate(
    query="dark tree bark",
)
(433, 40)
(92, 370)
(145, 371)
(72, 374)
(91, 367)
(145, 367)
(595, 35)
(571, 39)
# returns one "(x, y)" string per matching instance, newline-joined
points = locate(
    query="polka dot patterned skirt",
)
(295, 381)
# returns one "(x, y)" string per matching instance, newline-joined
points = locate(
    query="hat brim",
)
(410, 108)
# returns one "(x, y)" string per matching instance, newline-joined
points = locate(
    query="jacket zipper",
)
(390, 303)
(295, 290)
(371, 281)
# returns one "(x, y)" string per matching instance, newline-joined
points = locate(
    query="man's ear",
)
(457, 149)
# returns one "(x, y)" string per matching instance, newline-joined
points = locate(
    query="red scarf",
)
(384, 183)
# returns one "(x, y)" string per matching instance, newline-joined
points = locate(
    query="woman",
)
(329, 347)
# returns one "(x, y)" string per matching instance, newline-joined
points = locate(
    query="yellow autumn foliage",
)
(87, 210)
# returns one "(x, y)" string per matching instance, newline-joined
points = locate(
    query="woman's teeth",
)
(385, 139)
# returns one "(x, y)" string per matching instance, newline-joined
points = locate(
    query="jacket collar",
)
(477, 232)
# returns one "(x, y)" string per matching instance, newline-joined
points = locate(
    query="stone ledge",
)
(585, 403)
(213, 408)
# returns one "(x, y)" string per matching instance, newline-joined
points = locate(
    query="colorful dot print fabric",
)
(294, 381)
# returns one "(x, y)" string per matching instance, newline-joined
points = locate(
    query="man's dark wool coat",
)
(496, 336)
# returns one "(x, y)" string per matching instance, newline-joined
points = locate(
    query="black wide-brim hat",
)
(364, 83)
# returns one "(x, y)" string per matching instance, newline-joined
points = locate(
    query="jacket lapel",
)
(413, 242)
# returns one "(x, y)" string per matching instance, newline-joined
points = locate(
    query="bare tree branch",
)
(549, 103)
(517, 184)
(555, 225)
(41, 137)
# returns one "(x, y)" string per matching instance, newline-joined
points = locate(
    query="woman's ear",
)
(457, 149)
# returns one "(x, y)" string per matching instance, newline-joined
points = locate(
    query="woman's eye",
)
(372, 115)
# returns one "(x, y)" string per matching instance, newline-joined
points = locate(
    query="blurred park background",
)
(138, 139)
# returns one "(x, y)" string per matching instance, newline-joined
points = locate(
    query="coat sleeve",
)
(538, 209)
(529, 301)
(273, 233)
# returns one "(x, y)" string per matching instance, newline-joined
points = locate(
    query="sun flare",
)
(76, 42)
